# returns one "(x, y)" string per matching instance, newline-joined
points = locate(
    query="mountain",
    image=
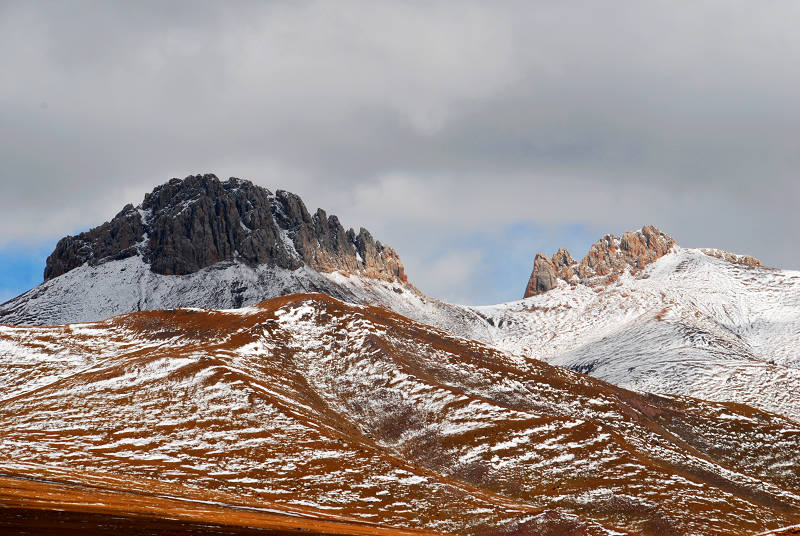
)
(638, 310)
(308, 406)
(697, 322)
(611, 257)
(643, 313)
(368, 404)
(201, 242)
(606, 261)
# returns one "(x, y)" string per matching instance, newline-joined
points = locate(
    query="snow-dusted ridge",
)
(638, 310)
(352, 411)
(90, 293)
(689, 323)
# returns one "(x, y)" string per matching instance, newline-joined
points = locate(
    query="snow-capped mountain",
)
(643, 313)
(690, 323)
(390, 407)
(200, 242)
(695, 322)
(309, 406)
(637, 310)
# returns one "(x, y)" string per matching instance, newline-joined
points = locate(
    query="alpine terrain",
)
(204, 243)
(217, 360)
(308, 406)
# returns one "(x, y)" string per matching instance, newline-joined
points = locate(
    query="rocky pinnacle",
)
(607, 259)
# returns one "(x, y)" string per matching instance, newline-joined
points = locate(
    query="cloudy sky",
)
(466, 135)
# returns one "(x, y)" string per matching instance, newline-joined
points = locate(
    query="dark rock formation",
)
(607, 259)
(186, 225)
(116, 239)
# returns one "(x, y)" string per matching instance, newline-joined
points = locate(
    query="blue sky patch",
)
(21, 267)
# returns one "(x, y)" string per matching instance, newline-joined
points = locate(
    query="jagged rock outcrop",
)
(116, 239)
(607, 259)
(612, 256)
(745, 260)
(186, 225)
(547, 272)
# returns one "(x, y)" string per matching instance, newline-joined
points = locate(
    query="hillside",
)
(690, 323)
(695, 322)
(350, 411)
(638, 310)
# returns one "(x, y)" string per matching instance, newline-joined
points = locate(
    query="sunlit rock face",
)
(607, 259)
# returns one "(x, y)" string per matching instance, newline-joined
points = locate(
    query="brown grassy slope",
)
(360, 413)
(40, 506)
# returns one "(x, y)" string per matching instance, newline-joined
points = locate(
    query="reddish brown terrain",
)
(784, 531)
(306, 412)
(52, 502)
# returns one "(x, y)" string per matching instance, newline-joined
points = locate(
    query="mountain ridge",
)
(305, 400)
(610, 257)
(350, 393)
(638, 310)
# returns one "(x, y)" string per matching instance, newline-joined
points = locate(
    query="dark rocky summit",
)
(186, 225)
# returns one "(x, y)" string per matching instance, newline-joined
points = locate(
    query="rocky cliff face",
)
(186, 225)
(606, 261)
(547, 272)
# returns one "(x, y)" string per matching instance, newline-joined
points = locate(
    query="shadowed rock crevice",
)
(186, 225)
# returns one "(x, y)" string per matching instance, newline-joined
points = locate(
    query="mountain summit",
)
(610, 257)
(606, 260)
(202, 242)
(186, 225)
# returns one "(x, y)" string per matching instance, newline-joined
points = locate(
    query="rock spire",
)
(607, 259)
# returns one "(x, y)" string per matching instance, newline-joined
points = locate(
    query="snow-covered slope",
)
(89, 293)
(358, 413)
(689, 324)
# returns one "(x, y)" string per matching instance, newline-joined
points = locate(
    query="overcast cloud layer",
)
(468, 136)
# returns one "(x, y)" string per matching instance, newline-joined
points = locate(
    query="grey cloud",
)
(467, 116)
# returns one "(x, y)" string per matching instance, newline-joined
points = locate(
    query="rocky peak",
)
(547, 272)
(185, 225)
(607, 259)
(611, 256)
